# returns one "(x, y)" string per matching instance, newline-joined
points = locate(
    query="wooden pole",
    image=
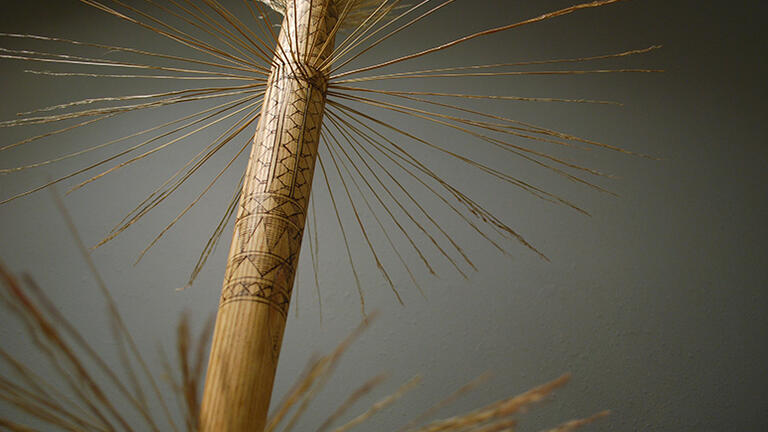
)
(269, 225)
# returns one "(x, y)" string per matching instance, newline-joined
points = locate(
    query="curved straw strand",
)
(446, 45)
(44, 390)
(527, 127)
(361, 391)
(55, 132)
(114, 311)
(158, 195)
(127, 49)
(378, 221)
(380, 405)
(343, 234)
(472, 96)
(496, 74)
(392, 216)
(461, 197)
(392, 33)
(215, 146)
(197, 199)
(244, 30)
(194, 91)
(246, 61)
(210, 26)
(416, 164)
(67, 59)
(531, 62)
(407, 213)
(354, 146)
(360, 30)
(115, 109)
(483, 125)
(213, 240)
(82, 170)
(192, 43)
(176, 77)
(99, 146)
(380, 266)
(313, 248)
(486, 168)
(158, 148)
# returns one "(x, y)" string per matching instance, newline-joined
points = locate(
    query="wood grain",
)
(269, 225)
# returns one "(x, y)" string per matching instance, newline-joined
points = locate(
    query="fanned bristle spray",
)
(310, 105)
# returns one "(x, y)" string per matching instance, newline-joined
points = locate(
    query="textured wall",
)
(655, 303)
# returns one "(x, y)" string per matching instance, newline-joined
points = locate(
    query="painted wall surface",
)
(656, 303)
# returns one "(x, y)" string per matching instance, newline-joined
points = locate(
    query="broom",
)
(271, 215)
(271, 208)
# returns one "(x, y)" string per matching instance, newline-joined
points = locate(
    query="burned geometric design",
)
(269, 224)
(270, 220)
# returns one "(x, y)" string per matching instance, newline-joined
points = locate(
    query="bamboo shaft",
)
(269, 226)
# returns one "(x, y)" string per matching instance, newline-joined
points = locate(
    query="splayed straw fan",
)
(299, 88)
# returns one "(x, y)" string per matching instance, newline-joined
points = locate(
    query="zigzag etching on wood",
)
(269, 224)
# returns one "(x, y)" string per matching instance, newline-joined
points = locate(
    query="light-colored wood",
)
(269, 225)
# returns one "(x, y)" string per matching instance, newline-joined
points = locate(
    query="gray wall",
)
(655, 303)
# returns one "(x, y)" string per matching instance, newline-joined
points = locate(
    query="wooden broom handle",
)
(269, 226)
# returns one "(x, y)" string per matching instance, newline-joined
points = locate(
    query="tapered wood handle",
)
(269, 226)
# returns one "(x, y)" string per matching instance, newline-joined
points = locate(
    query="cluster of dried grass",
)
(92, 396)
(95, 398)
